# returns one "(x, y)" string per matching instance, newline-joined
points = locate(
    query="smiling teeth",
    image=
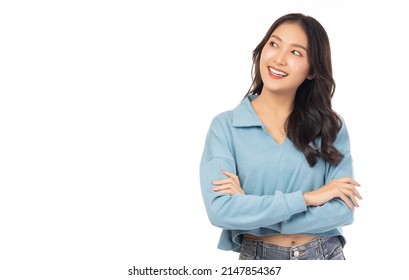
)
(276, 72)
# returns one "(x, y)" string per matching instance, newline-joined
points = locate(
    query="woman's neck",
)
(274, 104)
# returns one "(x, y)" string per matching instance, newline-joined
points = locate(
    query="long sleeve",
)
(335, 213)
(239, 212)
(274, 177)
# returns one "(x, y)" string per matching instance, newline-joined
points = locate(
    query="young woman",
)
(276, 172)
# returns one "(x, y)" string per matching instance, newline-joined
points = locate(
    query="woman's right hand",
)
(343, 188)
(231, 185)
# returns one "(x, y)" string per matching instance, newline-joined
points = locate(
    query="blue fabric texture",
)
(274, 177)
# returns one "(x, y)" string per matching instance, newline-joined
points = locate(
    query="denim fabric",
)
(322, 248)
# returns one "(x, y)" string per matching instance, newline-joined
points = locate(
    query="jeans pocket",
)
(245, 257)
(248, 250)
(337, 254)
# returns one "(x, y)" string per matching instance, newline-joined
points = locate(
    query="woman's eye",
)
(296, 53)
(273, 44)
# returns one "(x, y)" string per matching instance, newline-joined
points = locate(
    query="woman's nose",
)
(280, 58)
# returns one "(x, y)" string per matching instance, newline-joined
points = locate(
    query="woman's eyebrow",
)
(294, 45)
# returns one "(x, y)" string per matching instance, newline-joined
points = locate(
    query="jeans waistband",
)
(318, 248)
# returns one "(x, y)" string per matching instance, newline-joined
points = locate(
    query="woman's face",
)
(284, 63)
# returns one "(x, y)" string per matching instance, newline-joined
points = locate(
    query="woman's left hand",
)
(230, 185)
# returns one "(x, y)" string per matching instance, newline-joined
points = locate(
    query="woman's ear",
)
(310, 76)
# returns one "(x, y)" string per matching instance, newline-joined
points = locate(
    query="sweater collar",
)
(244, 114)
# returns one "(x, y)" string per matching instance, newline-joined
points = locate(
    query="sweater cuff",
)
(296, 203)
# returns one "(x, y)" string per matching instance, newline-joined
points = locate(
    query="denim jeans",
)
(321, 248)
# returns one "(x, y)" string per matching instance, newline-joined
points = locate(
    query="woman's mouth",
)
(277, 73)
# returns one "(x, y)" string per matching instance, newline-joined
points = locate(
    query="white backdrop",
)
(104, 110)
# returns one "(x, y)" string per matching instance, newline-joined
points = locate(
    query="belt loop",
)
(260, 251)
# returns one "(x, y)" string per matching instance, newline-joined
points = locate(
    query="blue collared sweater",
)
(273, 177)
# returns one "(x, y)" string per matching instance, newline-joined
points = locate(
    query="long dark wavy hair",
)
(312, 117)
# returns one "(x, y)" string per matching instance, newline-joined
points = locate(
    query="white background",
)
(105, 106)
